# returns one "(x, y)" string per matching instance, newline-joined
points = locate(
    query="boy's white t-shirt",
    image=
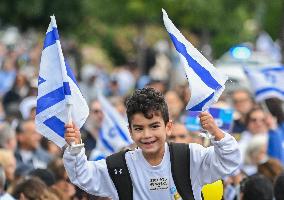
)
(155, 182)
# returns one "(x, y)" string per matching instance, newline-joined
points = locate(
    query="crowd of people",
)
(31, 167)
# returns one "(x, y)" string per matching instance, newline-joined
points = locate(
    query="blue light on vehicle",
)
(240, 52)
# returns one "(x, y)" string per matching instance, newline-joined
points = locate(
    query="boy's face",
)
(150, 134)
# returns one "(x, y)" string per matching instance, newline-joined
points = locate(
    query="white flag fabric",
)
(57, 86)
(114, 133)
(205, 83)
(267, 82)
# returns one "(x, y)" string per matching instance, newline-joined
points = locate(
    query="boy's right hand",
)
(72, 134)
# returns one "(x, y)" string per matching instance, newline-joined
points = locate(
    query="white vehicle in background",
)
(232, 62)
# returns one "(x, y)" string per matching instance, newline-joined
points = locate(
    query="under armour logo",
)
(118, 171)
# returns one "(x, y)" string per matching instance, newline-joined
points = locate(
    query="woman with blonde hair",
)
(8, 162)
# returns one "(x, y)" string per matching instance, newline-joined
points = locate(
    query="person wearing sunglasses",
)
(261, 124)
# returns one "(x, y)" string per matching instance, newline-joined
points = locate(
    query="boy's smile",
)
(150, 135)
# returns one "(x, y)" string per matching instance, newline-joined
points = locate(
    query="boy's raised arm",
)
(207, 123)
(215, 162)
(91, 176)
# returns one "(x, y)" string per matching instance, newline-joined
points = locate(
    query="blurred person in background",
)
(183, 92)
(32, 188)
(89, 85)
(62, 183)
(3, 194)
(275, 107)
(162, 66)
(113, 87)
(94, 80)
(82, 195)
(13, 98)
(91, 129)
(7, 76)
(179, 134)
(119, 105)
(259, 122)
(18, 92)
(8, 163)
(34, 54)
(48, 177)
(7, 137)
(45, 175)
(256, 187)
(175, 105)
(27, 107)
(125, 79)
(255, 154)
(271, 169)
(2, 112)
(142, 80)
(158, 85)
(3, 51)
(51, 148)
(242, 103)
(278, 187)
(29, 150)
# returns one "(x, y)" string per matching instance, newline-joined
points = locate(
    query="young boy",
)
(149, 126)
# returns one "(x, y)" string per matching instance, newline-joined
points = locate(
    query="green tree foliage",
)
(220, 23)
(35, 13)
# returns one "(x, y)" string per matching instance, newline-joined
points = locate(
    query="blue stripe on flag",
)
(269, 89)
(199, 106)
(204, 75)
(51, 38)
(50, 99)
(105, 142)
(66, 87)
(56, 125)
(100, 157)
(70, 73)
(120, 131)
(40, 80)
(274, 69)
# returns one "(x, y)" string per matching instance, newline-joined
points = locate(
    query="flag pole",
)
(69, 118)
(64, 75)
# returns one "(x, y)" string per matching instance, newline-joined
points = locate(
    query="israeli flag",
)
(113, 135)
(57, 87)
(205, 83)
(267, 82)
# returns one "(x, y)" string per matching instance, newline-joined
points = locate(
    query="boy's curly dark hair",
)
(147, 101)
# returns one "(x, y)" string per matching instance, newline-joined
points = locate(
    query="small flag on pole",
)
(57, 88)
(206, 84)
(266, 82)
(114, 134)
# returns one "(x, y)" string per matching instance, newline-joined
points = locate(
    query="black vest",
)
(180, 167)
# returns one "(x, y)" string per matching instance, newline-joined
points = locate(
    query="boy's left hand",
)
(207, 123)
